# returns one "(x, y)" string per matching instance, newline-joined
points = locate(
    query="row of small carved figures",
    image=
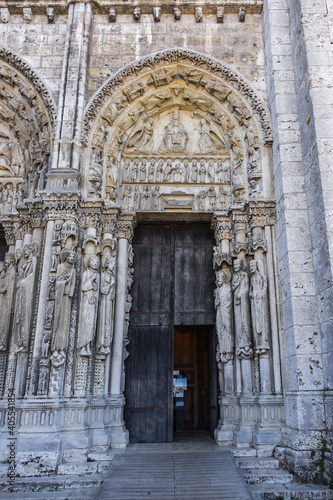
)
(168, 171)
(150, 198)
(10, 196)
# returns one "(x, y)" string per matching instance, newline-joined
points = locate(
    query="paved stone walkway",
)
(156, 472)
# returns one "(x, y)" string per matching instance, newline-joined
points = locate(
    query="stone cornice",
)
(123, 7)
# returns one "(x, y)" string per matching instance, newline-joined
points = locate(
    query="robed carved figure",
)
(64, 290)
(106, 308)
(240, 287)
(175, 137)
(89, 303)
(223, 306)
(25, 295)
(259, 307)
(7, 282)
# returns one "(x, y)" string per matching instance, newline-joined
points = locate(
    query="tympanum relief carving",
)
(25, 136)
(176, 137)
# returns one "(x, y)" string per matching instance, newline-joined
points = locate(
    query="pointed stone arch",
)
(225, 130)
(27, 120)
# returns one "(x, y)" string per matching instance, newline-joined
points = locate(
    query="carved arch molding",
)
(176, 130)
(27, 120)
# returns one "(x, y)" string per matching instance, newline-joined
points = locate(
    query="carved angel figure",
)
(89, 303)
(240, 288)
(106, 309)
(64, 290)
(223, 306)
(259, 307)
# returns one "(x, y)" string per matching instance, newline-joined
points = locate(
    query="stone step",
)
(259, 476)
(244, 452)
(71, 468)
(257, 463)
(52, 483)
(103, 456)
(291, 491)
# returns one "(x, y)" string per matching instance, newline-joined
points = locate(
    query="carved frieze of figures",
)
(259, 308)
(10, 196)
(106, 307)
(64, 290)
(223, 306)
(25, 295)
(7, 283)
(240, 288)
(155, 100)
(89, 303)
(175, 136)
(170, 170)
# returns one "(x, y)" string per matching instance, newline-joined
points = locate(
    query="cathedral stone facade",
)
(121, 125)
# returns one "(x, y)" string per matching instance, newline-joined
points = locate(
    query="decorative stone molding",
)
(174, 56)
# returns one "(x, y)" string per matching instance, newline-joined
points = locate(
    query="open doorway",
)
(195, 408)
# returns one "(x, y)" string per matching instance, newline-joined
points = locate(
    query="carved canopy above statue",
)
(27, 115)
(175, 131)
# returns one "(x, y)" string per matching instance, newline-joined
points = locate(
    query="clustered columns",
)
(246, 302)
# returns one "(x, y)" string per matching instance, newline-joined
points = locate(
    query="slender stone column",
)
(42, 302)
(125, 233)
(119, 435)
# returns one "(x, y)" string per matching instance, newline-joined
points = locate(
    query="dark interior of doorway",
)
(193, 357)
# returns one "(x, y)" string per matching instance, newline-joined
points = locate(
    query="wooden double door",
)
(173, 308)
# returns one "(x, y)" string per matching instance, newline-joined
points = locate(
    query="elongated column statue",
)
(7, 283)
(260, 322)
(89, 303)
(64, 290)
(244, 351)
(224, 330)
(25, 296)
(106, 308)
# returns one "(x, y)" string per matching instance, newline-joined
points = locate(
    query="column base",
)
(119, 436)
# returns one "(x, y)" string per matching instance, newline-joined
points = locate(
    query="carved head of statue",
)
(93, 263)
(253, 266)
(110, 264)
(9, 259)
(238, 265)
(27, 251)
(18, 254)
(220, 278)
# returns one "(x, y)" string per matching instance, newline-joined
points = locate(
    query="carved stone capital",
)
(262, 213)
(245, 352)
(222, 229)
(10, 233)
(109, 221)
(125, 227)
(259, 243)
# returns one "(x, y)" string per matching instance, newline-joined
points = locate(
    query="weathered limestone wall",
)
(302, 240)
(113, 45)
(40, 43)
